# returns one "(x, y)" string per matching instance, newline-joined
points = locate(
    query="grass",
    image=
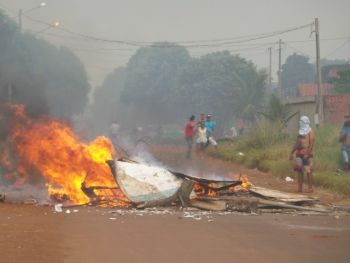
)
(267, 149)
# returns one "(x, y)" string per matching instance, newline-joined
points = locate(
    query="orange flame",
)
(49, 148)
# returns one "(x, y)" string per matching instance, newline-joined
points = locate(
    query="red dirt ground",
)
(35, 234)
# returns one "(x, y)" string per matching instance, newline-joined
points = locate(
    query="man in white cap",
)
(303, 149)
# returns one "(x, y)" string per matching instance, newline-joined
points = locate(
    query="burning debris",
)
(46, 154)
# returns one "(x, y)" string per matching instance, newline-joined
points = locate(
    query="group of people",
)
(201, 132)
(302, 150)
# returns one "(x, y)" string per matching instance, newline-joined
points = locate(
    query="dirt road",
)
(38, 234)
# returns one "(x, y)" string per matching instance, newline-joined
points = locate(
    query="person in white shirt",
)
(202, 138)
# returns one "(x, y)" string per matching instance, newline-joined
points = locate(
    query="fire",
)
(200, 190)
(47, 148)
(212, 189)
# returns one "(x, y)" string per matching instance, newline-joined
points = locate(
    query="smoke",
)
(26, 194)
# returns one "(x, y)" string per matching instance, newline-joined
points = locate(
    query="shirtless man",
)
(303, 149)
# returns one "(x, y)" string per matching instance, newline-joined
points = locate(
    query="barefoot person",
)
(303, 149)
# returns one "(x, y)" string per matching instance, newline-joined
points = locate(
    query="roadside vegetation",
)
(267, 148)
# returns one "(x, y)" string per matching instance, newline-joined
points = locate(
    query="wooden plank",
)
(281, 196)
(248, 205)
(217, 205)
(268, 203)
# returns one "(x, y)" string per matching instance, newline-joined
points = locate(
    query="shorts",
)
(303, 163)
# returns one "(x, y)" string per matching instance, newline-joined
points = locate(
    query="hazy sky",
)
(188, 20)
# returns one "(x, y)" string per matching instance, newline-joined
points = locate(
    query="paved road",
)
(37, 234)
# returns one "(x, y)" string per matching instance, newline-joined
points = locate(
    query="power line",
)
(296, 49)
(337, 48)
(242, 39)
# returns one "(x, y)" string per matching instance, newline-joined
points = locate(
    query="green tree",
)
(342, 84)
(223, 84)
(277, 112)
(45, 78)
(107, 106)
(150, 83)
(296, 70)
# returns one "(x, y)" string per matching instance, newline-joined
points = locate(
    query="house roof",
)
(311, 89)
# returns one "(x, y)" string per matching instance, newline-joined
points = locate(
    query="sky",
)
(184, 21)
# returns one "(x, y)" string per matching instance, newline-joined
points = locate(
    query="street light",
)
(53, 25)
(20, 13)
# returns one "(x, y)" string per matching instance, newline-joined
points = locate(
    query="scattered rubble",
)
(149, 190)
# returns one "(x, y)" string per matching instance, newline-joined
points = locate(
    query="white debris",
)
(58, 208)
(289, 179)
(68, 211)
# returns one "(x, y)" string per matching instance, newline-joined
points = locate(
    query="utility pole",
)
(270, 62)
(279, 67)
(319, 99)
(20, 19)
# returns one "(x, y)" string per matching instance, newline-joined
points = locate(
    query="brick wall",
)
(311, 89)
(335, 107)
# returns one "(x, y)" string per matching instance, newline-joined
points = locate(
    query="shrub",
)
(267, 149)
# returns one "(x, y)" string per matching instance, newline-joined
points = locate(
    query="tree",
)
(296, 70)
(327, 62)
(223, 84)
(277, 112)
(150, 83)
(107, 106)
(45, 78)
(342, 84)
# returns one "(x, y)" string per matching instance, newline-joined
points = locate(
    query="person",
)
(201, 119)
(114, 133)
(241, 126)
(344, 139)
(233, 132)
(303, 149)
(202, 139)
(190, 130)
(210, 125)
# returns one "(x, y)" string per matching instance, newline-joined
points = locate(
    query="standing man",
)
(189, 132)
(202, 139)
(303, 149)
(210, 125)
(344, 139)
(241, 126)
